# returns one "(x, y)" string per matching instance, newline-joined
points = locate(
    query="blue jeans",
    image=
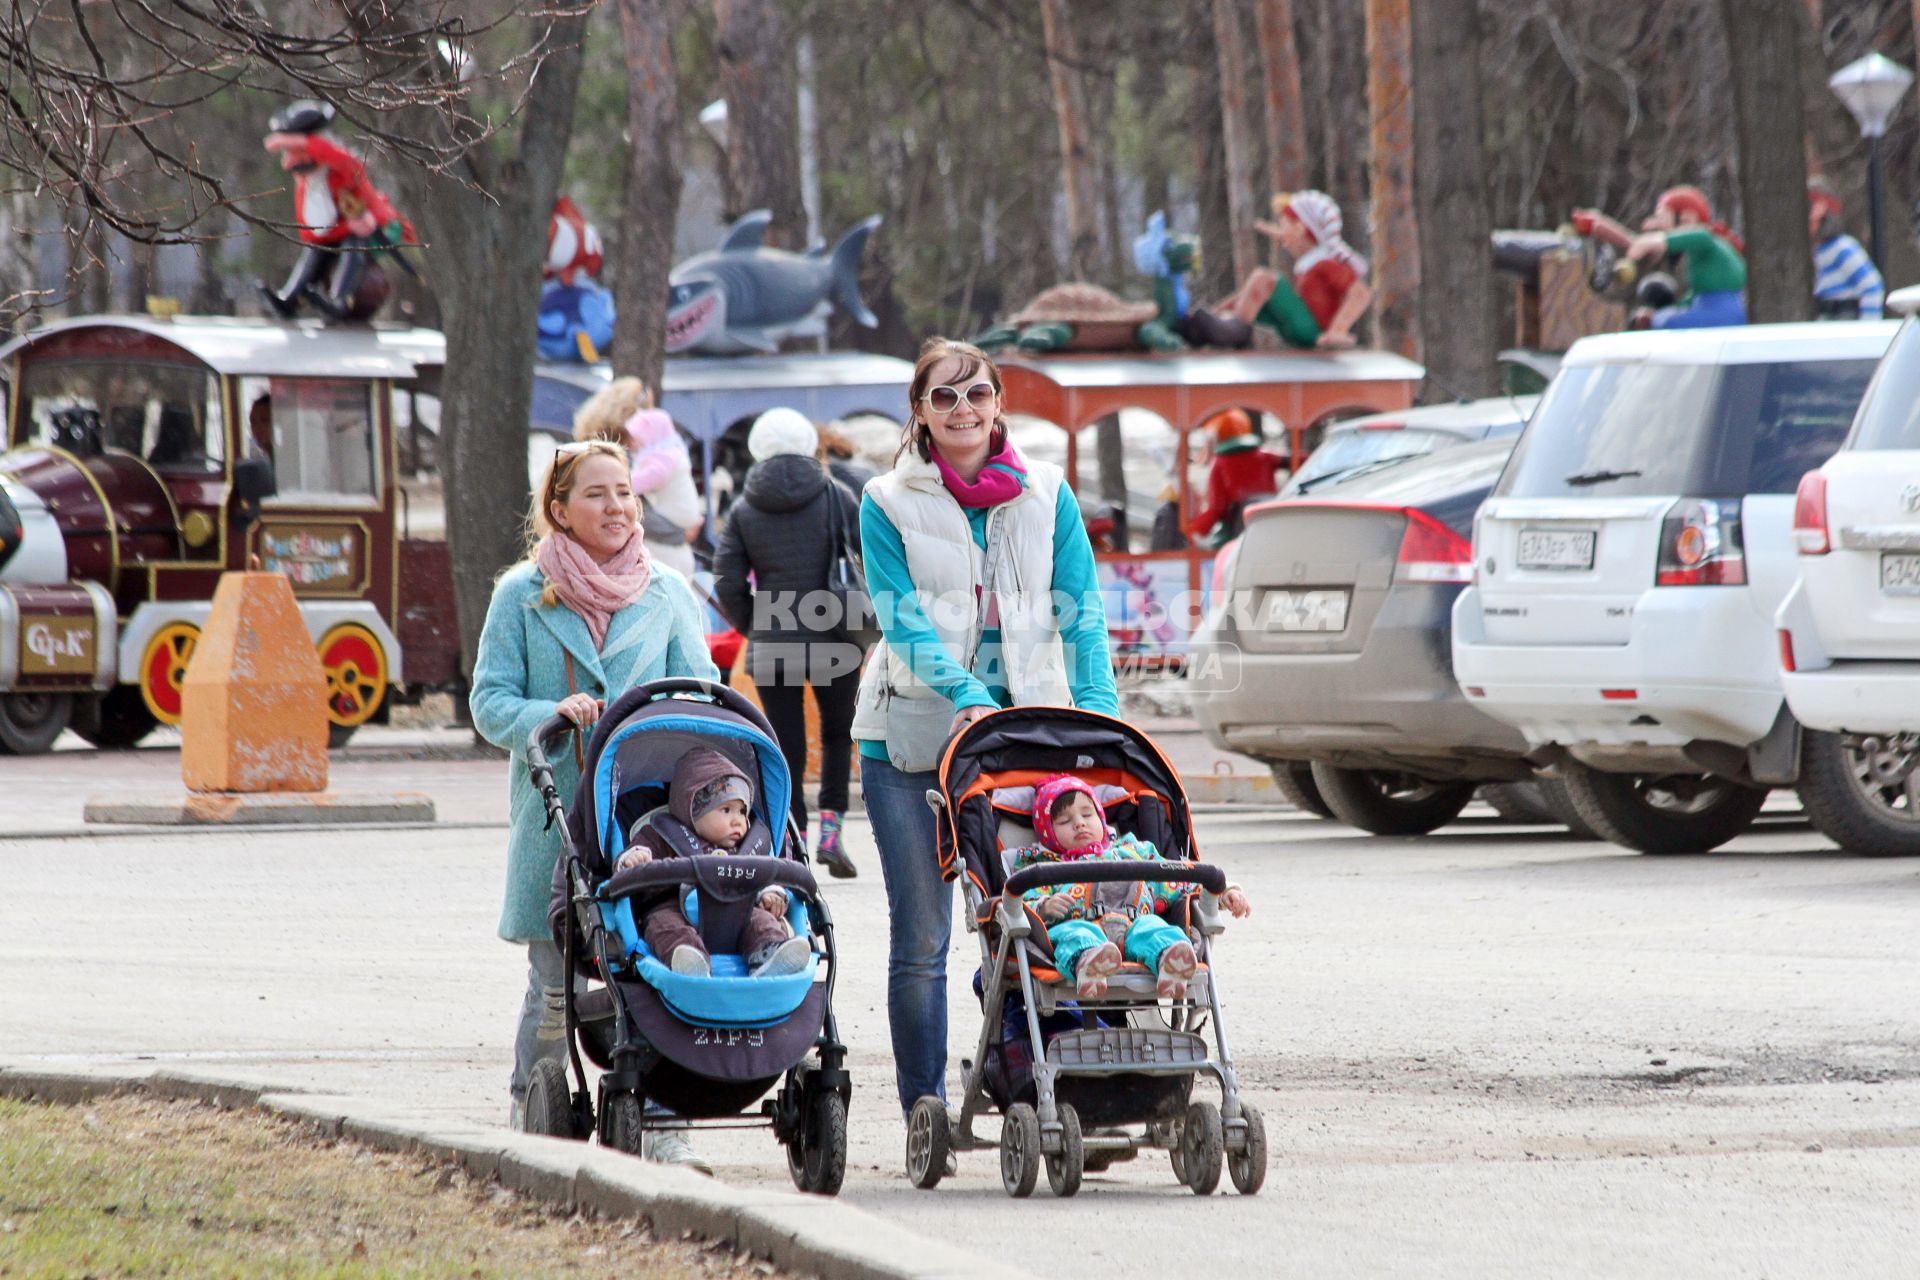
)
(1704, 311)
(1147, 938)
(920, 924)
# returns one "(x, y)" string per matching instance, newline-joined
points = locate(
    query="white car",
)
(1629, 564)
(1850, 630)
(1356, 446)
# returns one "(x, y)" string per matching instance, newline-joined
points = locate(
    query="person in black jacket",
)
(778, 531)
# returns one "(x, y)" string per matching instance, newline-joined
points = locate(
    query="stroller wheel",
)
(1065, 1168)
(1200, 1148)
(1248, 1166)
(1020, 1150)
(549, 1103)
(623, 1123)
(817, 1155)
(929, 1142)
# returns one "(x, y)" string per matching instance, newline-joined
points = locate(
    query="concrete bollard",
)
(253, 712)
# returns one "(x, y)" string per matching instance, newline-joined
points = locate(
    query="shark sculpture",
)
(744, 297)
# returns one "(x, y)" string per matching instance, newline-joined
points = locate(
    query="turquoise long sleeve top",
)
(1090, 671)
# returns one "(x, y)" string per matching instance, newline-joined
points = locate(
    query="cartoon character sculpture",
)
(1328, 293)
(576, 313)
(744, 297)
(346, 222)
(1846, 284)
(1682, 224)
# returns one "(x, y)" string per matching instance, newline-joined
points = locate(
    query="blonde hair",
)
(603, 415)
(556, 485)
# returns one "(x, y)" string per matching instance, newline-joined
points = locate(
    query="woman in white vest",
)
(984, 583)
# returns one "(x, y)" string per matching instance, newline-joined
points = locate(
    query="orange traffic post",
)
(253, 711)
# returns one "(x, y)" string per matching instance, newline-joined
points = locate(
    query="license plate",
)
(1556, 548)
(1900, 575)
(1307, 610)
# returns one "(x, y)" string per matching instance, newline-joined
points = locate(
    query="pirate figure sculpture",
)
(345, 221)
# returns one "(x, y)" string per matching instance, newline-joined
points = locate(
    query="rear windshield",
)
(1644, 430)
(1890, 415)
(1351, 450)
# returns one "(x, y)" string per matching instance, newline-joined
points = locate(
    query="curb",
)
(1233, 788)
(809, 1234)
(265, 809)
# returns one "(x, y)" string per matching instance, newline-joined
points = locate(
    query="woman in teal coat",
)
(583, 618)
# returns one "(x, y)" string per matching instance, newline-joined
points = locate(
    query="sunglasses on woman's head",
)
(947, 399)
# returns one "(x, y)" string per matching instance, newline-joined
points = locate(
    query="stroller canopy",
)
(1022, 746)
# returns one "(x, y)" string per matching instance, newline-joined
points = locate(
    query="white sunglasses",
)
(947, 399)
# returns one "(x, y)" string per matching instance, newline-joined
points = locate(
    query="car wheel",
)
(1663, 813)
(1522, 802)
(1387, 802)
(1293, 779)
(1862, 791)
(1554, 792)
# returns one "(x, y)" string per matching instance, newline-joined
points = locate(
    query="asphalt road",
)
(1491, 1052)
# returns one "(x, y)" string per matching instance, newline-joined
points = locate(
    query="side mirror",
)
(252, 482)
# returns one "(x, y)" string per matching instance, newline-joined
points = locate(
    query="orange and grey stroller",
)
(1112, 1075)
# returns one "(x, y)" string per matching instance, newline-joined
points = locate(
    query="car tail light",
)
(1701, 545)
(1431, 552)
(1786, 652)
(1390, 424)
(1810, 516)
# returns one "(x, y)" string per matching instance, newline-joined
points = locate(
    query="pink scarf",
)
(1000, 480)
(594, 591)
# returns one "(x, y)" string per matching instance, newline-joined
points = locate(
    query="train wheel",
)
(163, 666)
(356, 668)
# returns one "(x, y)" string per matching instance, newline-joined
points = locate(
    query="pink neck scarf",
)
(1000, 480)
(594, 591)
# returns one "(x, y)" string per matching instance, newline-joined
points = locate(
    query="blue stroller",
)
(704, 1048)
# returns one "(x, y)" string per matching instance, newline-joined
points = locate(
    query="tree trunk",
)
(1214, 276)
(1763, 44)
(763, 146)
(1156, 184)
(1456, 303)
(1236, 135)
(19, 279)
(653, 190)
(1286, 116)
(483, 230)
(1395, 228)
(1076, 153)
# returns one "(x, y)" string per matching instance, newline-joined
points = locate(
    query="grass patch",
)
(139, 1186)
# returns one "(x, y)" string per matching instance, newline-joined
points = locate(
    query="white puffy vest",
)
(947, 567)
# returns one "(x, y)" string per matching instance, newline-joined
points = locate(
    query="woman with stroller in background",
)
(585, 616)
(770, 578)
(983, 579)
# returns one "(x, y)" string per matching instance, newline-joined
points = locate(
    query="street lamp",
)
(1871, 87)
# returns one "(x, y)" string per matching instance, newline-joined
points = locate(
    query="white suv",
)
(1629, 563)
(1850, 629)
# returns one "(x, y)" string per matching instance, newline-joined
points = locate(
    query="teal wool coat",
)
(519, 678)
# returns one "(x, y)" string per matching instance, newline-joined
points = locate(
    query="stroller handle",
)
(543, 733)
(727, 877)
(1093, 871)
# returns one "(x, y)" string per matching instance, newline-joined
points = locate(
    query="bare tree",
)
(1394, 224)
(483, 222)
(1286, 113)
(1764, 40)
(1449, 161)
(653, 188)
(763, 147)
(1236, 133)
(1076, 153)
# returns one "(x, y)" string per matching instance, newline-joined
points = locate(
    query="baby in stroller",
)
(709, 811)
(1092, 925)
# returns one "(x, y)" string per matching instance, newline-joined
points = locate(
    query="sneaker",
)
(829, 852)
(689, 961)
(778, 958)
(1178, 964)
(1094, 968)
(670, 1146)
